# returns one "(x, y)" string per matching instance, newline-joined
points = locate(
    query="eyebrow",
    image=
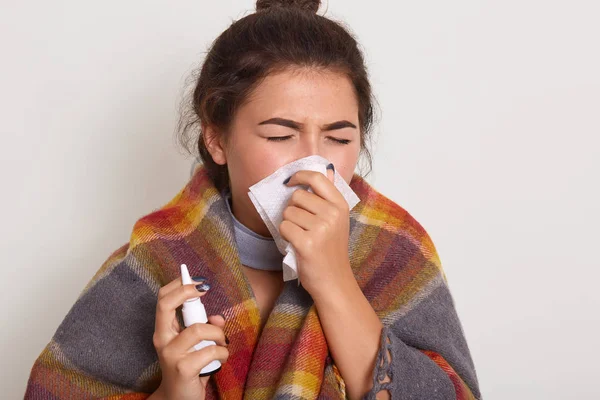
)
(298, 126)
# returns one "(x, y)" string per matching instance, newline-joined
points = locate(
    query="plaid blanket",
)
(103, 348)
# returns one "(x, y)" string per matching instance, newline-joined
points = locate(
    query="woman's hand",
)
(180, 363)
(318, 225)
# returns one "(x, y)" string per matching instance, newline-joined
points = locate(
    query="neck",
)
(247, 216)
(256, 251)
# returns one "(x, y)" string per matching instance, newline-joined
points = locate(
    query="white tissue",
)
(270, 197)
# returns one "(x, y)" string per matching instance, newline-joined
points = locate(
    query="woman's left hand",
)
(317, 225)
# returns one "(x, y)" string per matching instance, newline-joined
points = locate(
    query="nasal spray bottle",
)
(193, 312)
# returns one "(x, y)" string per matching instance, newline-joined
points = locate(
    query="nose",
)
(311, 143)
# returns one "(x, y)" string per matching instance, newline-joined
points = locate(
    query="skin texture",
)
(317, 224)
(179, 363)
(313, 98)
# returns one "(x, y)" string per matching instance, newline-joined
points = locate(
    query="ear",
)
(214, 144)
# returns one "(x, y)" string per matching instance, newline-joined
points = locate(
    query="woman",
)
(373, 317)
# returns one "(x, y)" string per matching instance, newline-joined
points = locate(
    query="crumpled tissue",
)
(270, 197)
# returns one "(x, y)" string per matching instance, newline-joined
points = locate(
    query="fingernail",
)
(203, 287)
(222, 316)
(226, 339)
(331, 167)
(199, 278)
(287, 180)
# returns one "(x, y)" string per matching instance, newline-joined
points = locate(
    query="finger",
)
(331, 175)
(318, 182)
(192, 335)
(308, 201)
(291, 232)
(219, 321)
(216, 320)
(193, 362)
(300, 217)
(165, 311)
(169, 287)
(175, 283)
(204, 379)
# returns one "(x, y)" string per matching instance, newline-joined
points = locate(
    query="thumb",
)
(331, 175)
(219, 321)
(204, 380)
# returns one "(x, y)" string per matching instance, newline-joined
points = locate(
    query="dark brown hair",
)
(281, 35)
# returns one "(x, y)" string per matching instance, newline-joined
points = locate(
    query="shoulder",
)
(380, 212)
(179, 216)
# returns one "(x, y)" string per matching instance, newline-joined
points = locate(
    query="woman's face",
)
(290, 115)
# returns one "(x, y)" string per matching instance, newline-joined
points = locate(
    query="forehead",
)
(304, 90)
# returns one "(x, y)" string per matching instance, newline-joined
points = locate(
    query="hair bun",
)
(304, 5)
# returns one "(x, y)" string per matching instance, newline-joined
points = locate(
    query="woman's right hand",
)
(180, 363)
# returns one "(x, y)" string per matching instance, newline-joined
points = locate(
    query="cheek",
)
(345, 164)
(257, 163)
(346, 171)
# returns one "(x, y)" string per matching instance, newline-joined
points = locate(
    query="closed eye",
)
(282, 138)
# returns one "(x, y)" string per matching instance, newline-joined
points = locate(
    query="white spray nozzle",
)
(185, 275)
(193, 312)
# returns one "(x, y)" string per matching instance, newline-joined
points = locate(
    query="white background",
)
(490, 116)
